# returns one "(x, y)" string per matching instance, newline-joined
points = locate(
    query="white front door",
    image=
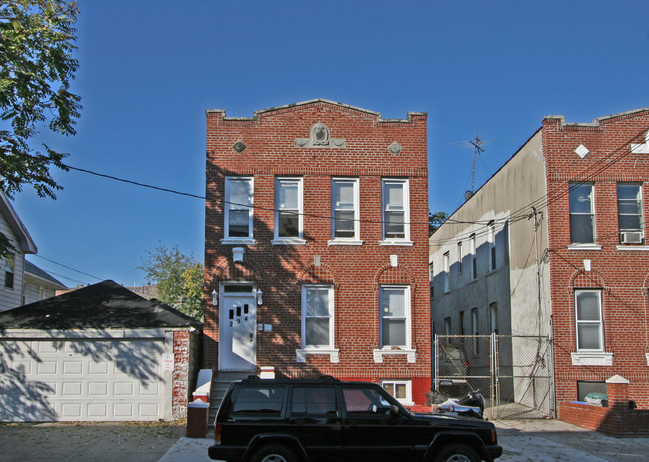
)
(238, 333)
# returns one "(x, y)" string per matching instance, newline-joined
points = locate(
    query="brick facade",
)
(187, 353)
(278, 144)
(620, 272)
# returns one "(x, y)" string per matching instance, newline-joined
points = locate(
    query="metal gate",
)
(514, 373)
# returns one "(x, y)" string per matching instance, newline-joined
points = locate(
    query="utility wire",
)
(70, 268)
(522, 213)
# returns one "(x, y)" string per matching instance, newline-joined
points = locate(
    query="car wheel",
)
(457, 453)
(274, 453)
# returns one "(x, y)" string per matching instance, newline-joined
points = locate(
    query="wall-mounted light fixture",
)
(259, 299)
(215, 298)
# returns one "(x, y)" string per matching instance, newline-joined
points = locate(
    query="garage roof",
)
(100, 306)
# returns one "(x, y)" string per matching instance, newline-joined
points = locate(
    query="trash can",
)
(197, 415)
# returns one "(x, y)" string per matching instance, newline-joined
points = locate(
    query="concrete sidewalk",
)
(522, 441)
(553, 440)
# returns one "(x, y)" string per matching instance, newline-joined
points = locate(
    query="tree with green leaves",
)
(179, 279)
(435, 220)
(36, 68)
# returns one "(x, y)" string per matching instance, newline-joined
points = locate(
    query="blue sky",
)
(150, 69)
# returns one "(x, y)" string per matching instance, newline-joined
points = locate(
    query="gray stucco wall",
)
(514, 284)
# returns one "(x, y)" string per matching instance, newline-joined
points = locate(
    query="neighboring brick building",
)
(566, 220)
(316, 245)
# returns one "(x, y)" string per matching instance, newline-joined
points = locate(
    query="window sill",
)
(345, 242)
(400, 242)
(642, 248)
(411, 355)
(584, 247)
(334, 354)
(238, 241)
(592, 358)
(289, 241)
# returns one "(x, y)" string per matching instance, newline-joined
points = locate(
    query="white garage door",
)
(96, 379)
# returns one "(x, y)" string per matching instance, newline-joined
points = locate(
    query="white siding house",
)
(12, 266)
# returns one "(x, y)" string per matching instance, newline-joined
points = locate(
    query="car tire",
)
(457, 453)
(274, 453)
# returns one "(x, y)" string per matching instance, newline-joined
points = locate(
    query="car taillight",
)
(217, 433)
(493, 436)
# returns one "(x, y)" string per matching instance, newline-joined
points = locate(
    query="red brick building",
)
(316, 245)
(558, 250)
(598, 189)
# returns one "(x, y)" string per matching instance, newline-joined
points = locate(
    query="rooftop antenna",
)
(477, 144)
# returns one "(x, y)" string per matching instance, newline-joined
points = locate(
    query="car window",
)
(260, 399)
(313, 400)
(362, 400)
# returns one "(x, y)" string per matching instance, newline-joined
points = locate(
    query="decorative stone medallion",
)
(641, 148)
(394, 148)
(239, 146)
(581, 151)
(319, 137)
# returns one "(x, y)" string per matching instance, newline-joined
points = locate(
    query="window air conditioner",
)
(632, 237)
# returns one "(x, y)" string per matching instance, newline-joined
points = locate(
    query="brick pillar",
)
(618, 392)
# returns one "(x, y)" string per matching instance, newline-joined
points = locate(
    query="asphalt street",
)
(522, 441)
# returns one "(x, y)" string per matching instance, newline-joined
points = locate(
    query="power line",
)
(144, 185)
(585, 176)
(70, 268)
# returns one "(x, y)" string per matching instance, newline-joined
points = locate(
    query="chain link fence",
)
(513, 373)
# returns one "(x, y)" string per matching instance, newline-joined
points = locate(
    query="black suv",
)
(291, 420)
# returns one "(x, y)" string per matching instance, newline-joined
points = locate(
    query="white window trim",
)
(638, 200)
(379, 354)
(447, 272)
(584, 247)
(226, 215)
(346, 240)
(408, 316)
(405, 241)
(492, 247)
(334, 353)
(626, 247)
(584, 358)
(583, 351)
(473, 260)
(407, 401)
(292, 240)
(592, 214)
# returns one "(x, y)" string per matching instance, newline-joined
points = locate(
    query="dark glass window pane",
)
(589, 337)
(317, 331)
(630, 222)
(344, 224)
(394, 226)
(289, 225)
(588, 306)
(581, 229)
(239, 223)
(580, 198)
(394, 332)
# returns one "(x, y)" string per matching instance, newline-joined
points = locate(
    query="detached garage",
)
(101, 353)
